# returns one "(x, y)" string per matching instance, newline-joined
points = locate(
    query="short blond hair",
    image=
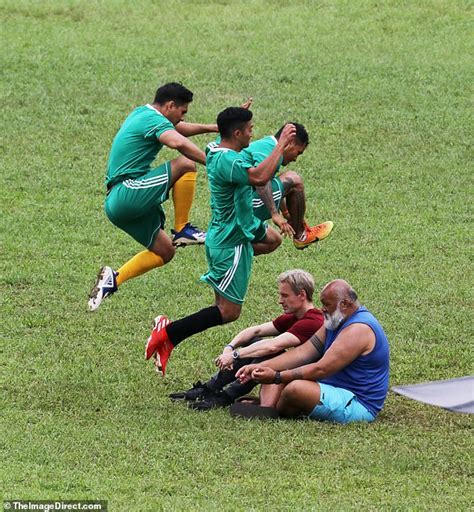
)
(298, 280)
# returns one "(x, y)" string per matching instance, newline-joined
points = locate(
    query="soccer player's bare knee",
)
(293, 389)
(185, 165)
(274, 239)
(229, 311)
(275, 243)
(163, 247)
(166, 252)
(181, 166)
(292, 181)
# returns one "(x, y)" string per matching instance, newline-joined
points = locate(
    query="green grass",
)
(385, 90)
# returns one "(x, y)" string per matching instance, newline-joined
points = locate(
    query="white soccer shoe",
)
(105, 286)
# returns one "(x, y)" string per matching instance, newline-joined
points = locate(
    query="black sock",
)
(192, 324)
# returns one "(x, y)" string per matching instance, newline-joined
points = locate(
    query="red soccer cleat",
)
(158, 343)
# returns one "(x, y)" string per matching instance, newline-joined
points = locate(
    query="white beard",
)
(332, 322)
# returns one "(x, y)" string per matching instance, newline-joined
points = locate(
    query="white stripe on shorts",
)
(147, 183)
(256, 203)
(230, 273)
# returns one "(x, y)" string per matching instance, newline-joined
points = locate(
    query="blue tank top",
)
(367, 376)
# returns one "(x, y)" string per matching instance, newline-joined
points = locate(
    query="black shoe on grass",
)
(199, 391)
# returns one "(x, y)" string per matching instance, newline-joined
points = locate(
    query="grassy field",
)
(385, 90)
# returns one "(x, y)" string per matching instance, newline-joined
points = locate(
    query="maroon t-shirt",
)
(303, 328)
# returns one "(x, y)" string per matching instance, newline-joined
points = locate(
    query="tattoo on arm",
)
(318, 345)
(266, 195)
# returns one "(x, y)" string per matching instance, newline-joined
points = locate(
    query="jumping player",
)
(232, 230)
(135, 190)
(285, 192)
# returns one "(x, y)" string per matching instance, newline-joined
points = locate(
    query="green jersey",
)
(259, 150)
(232, 221)
(256, 152)
(136, 144)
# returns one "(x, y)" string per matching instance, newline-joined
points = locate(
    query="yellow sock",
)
(138, 265)
(183, 195)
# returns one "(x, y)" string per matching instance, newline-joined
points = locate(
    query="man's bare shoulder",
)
(360, 334)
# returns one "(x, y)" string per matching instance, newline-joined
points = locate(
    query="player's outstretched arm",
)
(271, 346)
(190, 129)
(175, 140)
(225, 360)
(260, 348)
(266, 329)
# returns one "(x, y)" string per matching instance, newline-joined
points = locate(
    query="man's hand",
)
(287, 136)
(285, 227)
(263, 375)
(245, 373)
(225, 360)
(248, 103)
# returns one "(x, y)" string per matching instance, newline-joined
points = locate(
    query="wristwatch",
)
(277, 378)
(235, 354)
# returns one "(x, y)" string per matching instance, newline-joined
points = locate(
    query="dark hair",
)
(301, 134)
(232, 118)
(173, 92)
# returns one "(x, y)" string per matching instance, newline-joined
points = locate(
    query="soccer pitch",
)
(385, 91)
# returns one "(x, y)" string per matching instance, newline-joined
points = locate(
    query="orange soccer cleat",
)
(314, 234)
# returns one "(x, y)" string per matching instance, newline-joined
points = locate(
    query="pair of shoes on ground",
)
(202, 398)
(106, 282)
(314, 234)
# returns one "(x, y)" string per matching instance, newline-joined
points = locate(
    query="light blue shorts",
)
(340, 406)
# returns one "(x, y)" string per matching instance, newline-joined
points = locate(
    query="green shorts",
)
(229, 271)
(260, 232)
(134, 205)
(259, 209)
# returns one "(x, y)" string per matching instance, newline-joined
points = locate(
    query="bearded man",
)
(340, 374)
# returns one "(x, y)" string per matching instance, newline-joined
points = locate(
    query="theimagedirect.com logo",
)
(49, 505)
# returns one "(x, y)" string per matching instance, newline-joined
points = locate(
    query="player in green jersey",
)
(232, 230)
(285, 192)
(136, 190)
